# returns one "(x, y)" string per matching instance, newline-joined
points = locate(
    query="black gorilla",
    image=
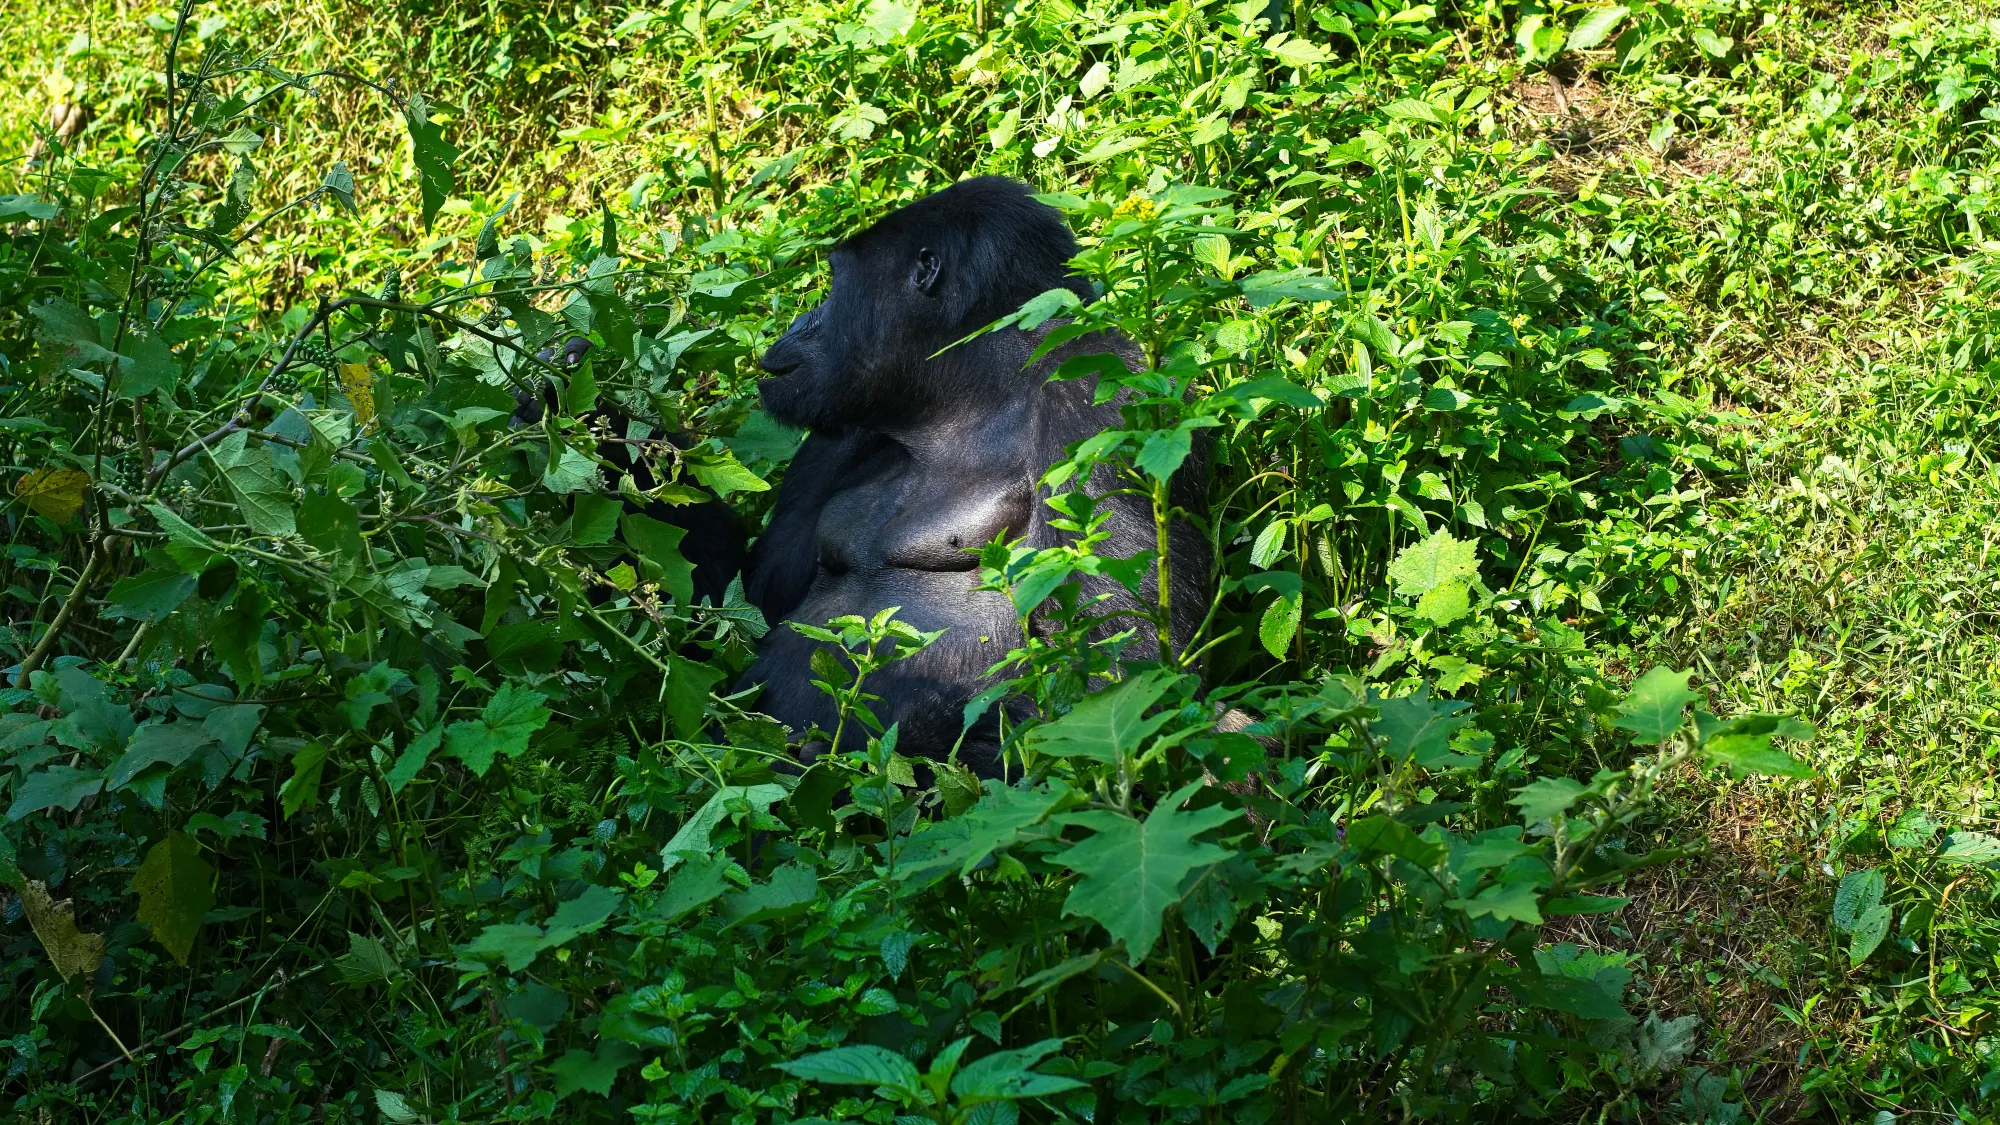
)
(715, 542)
(918, 458)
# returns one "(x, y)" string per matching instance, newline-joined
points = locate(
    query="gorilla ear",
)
(924, 276)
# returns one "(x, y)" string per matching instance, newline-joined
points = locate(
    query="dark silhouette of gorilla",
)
(917, 458)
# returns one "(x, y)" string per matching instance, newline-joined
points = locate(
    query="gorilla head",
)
(915, 282)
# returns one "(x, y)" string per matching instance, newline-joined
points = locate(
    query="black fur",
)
(918, 458)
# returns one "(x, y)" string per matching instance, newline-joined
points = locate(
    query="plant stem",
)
(47, 644)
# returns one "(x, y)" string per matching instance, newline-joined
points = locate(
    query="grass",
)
(1832, 275)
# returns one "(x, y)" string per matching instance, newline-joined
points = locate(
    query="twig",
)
(276, 981)
(48, 642)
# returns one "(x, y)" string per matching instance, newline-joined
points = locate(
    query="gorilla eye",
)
(954, 540)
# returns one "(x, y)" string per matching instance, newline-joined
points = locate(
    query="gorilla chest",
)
(912, 519)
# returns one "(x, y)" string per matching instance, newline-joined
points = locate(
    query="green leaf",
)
(1010, 1075)
(996, 822)
(503, 728)
(149, 595)
(701, 882)
(396, 1108)
(693, 835)
(1970, 847)
(1546, 797)
(1869, 930)
(1381, 835)
(433, 156)
(150, 366)
(57, 787)
(413, 758)
(1859, 893)
(331, 526)
(366, 961)
(1296, 52)
(156, 743)
(262, 493)
(659, 547)
(1443, 604)
(1164, 451)
(570, 471)
(302, 788)
(1110, 723)
(70, 328)
(1131, 871)
(584, 914)
(790, 890)
(1280, 622)
(179, 530)
(595, 519)
(175, 893)
(1515, 902)
(725, 474)
(583, 1070)
(864, 1065)
(1595, 27)
(1653, 709)
(1754, 754)
(1711, 44)
(1422, 567)
(339, 183)
(1417, 728)
(1270, 544)
(514, 943)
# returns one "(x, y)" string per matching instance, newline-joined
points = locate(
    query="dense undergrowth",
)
(371, 760)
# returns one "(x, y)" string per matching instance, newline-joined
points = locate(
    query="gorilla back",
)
(921, 452)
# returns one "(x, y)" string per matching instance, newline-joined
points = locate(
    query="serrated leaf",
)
(155, 744)
(1010, 1075)
(1109, 723)
(503, 728)
(1508, 902)
(693, 835)
(1278, 625)
(1546, 797)
(57, 787)
(864, 1065)
(1869, 930)
(1860, 892)
(1655, 707)
(1269, 545)
(1441, 558)
(149, 595)
(1970, 847)
(592, 1071)
(1418, 728)
(433, 156)
(175, 892)
(1595, 27)
(339, 183)
(1130, 871)
(789, 891)
(262, 493)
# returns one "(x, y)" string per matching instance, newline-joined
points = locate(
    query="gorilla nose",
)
(779, 360)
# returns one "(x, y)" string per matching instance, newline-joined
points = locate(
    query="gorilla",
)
(922, 449)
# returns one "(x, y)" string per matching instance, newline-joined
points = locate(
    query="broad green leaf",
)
(515, 943)
(584, 914)
(1422, 567)
(1418, 728)
(1508, 902)
(175, 892)
(1655, 707)
(70, 328)
(1130, 871)
(1869, 930)
(701, 882)
(1380, 835)
(864, 1065)
(1970, 847)
(149, 595)
(996, 822)
(1270, 544)
(396, 1108)
(1860, 892)
(1595, 26)
(1754, 754)
(503, 728)
(570, 471)
(1164, 451)
(55, 493)
(433, 156)
(1443, 604)
(593, 1072)
(1296, 52)
(150, 366)
(57, 787)
(693, 835)
(1110, 723)
(302, 788)
(262, 493)
(595, 519)
(154, 744)
(1010, 1074)
(1278, 625)
(1711, 44)
(789, 891)
(659, 548)
(339, 184)
(1545, 797)
(366, 961)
